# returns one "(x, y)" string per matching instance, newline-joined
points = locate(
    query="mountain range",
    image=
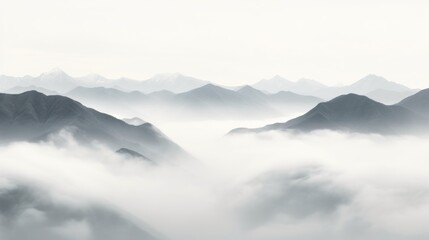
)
(209, 101)
(357, 113)
(33, 116)
(278, 83)
(56, 80)
(373, 86)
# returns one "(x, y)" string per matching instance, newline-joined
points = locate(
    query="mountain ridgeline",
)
(357, 113)
(33, 116)
(419, 102)
(373, 86)
(206, 102)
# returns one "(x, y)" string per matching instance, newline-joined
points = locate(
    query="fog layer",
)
(323, 185)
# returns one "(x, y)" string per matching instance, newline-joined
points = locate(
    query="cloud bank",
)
(264, 186)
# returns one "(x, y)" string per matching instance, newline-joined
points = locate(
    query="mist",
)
(254, 186)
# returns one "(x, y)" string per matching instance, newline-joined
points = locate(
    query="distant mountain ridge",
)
(59, 81)
(33, 116)
(209, 101)
(373, 86)
(278, 83)
(176, 83)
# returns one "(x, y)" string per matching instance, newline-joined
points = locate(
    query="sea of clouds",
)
(322, 185)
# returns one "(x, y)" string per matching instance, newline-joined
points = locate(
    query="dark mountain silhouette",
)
(34, 116)
(131, 154)
(354, 113)
(418, 103)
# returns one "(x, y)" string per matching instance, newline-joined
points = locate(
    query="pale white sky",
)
(225, 41)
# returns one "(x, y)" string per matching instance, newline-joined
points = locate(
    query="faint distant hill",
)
(55, 80)
(59, 81)
(175, 83)
(206, 102)
(352, 113)
(389, 97)
(214, 101)
(33, 116)
(373, 86)
(278, 83)
(364, 86)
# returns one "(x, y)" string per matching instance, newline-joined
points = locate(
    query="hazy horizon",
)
(165, 74)
(87, 158)
(226, 42)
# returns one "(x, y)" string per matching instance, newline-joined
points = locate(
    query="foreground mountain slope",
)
(354, 113)
(34, 116)
(418, 103)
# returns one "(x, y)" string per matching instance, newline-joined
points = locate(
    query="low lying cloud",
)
(323, 185)
(293, 194)
(30, 213)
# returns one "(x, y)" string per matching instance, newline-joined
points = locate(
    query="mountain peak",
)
(175, 82)
(55, 72)
(373, 78)
(351, 96)
(247, 88)
(211, 87)
(32, 93)
(373, 82)
(278, 78)
(278, 83)
(34, 116)
(353, 113)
